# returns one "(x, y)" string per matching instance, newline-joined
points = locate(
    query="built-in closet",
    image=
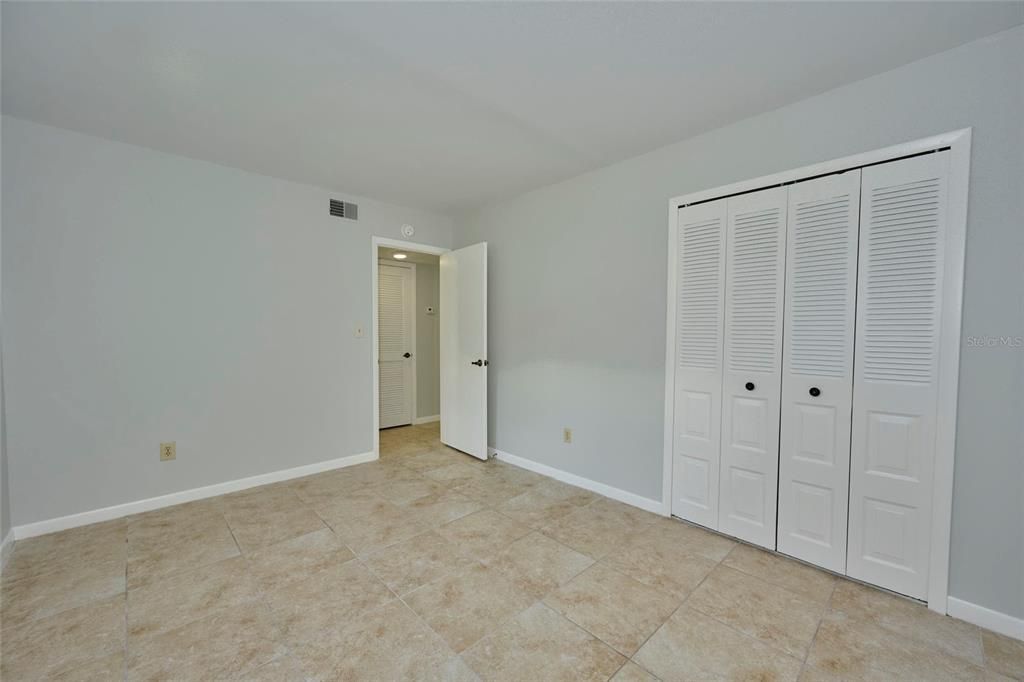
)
(806, 366)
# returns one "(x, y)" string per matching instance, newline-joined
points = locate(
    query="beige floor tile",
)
(492, 491)
(44, 594)
(855, 649)
(457, 473)
(168, 603)
(387, 525)
(70, 548)
(483, 534)
(463, 607)
(434, 459)
(904, 617)
(272, 526)
(402, 491)
(538, 564)
(110, 667)
(327, 601)
(349, 506)
(539, 644)
(155, 553)
(441, 508)
(254, 501)
(389, 643)
(413, 563)
(690, 538)
(692, 646)
(53, 643)
(631, 672)
(778, 570)
(773, 615)
(513, 474)
(284, 668)
(564, 491)
(537, 507)
(615, 608)
(595, 530)
(168, 519)
(226, 645)
(1004, 655)
(324, 488)
(665, 567)
(284, 563)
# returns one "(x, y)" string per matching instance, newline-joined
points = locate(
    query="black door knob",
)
(815, 391)
(406, 355)
(749, 386)
(478, 363)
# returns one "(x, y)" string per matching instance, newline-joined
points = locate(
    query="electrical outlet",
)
(567, 435)
(168, 451)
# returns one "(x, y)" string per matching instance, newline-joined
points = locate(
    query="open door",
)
(463, 316)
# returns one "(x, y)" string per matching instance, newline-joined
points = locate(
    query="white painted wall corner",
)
(624, 496)
(29, 530)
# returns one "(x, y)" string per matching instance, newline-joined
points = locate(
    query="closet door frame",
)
(958, 142)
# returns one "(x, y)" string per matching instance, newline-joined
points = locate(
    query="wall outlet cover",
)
(168, 451)
(567, 435)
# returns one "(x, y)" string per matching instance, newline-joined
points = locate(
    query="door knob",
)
(749, 386)
(815, 391)
(406, 355)
(478, 363)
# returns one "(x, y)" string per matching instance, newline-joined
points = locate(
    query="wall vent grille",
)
(344, 209)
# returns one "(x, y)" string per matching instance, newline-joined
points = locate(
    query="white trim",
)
(626, 497)
(959, 143)
(995, 621)
(426, 420)
(6, 549)
(29, 530)
(376, 242)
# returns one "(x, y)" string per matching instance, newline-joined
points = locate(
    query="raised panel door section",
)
(700, 283)
(895, 394)
(751, 387)
(817, 378)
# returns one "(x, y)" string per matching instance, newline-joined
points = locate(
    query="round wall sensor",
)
(408, 230)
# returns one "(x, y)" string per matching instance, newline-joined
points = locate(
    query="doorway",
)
(429, 332)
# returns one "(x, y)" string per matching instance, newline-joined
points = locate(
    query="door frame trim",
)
(376, 242)
(959, 144)
(411, 267)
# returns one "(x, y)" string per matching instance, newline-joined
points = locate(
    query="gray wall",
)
(578, 279)
(149, 297)
(428, 342)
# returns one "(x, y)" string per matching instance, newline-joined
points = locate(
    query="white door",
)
(463, 313)
(751, 388)
(895, 392)
(396, 291)
(817, 379)
(700, 292)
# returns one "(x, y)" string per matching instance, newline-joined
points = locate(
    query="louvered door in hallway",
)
(395, 319)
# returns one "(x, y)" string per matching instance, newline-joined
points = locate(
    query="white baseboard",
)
(29, 530)
(426, 420)
(6, 547)
(624, 496)
(986, 618)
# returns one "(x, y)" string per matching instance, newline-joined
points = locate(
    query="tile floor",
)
(432, 565)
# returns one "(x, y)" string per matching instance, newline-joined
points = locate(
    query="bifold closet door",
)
(895, 393)
(700, 291)
(817, 379)
(751, 386)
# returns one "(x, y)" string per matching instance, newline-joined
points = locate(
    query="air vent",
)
(344, 209)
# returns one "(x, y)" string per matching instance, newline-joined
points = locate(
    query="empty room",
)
(521, 341)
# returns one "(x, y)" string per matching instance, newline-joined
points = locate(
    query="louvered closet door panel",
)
(700, 269)
(817, 369)
(751, 388)
(903, 225)
(394, 337)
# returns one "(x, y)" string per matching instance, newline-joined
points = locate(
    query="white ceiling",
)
(446, 106)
